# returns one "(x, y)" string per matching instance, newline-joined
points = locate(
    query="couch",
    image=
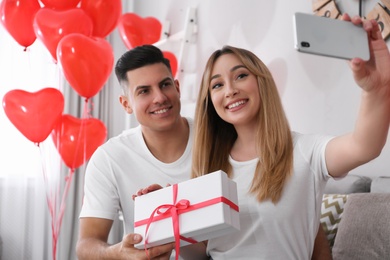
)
(355, 215)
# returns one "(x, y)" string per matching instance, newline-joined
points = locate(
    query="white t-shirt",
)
(288, 229)
(123, 165)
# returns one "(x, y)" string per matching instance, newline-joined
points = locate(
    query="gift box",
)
(188, 212)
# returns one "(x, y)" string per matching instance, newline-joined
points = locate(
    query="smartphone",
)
(330, 37)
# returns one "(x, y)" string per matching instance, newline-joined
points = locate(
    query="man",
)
(157, 151)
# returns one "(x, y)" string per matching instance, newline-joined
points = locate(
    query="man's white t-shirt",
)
(285, 230)
(122, 166)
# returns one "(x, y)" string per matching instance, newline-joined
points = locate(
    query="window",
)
(29, 70)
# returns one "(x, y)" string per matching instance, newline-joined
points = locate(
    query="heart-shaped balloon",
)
(60, 4)
(135, 30)
(172, 61)
(104, 14)
(86, 62)
(34, 114)
(77, 139)
(17, 17)
(51, 26)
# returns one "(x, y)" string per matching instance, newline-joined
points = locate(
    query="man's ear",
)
(125, 104)
(177, 85)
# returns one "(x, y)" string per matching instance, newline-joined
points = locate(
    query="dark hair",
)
(138, 57)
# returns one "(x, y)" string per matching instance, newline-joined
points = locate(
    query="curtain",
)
(25, 222)
(25, 230)
(105, 107)
(24, 219)
(101, 108)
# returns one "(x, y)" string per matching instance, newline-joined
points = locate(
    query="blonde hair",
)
(214, 138)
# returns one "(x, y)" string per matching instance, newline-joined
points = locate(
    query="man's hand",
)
(148, 189)
(157, 252)
(92, 243)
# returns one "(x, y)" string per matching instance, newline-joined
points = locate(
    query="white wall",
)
(318, 93)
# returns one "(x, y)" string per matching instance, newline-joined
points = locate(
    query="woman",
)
(241, 128)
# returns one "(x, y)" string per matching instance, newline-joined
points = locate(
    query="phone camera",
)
(305, 44)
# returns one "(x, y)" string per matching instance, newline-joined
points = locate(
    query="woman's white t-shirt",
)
(285, 230)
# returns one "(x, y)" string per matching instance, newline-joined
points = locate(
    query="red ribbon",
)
(174, 210)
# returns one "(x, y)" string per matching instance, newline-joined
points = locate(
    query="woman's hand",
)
(374, 73)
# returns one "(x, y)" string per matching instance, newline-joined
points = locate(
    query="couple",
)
(239, 127)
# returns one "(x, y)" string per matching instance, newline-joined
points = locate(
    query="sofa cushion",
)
(331, 212)
(348, 184)
(381, 184)
(364, 230)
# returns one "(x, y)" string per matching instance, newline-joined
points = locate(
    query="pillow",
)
(381, 184)
(364, 230)
(348, 184)
(331, 211)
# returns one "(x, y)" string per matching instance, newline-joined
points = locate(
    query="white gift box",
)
(212, 211)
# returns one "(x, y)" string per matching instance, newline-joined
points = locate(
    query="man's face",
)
(154, 97)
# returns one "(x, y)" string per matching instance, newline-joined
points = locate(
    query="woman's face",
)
(234, 91)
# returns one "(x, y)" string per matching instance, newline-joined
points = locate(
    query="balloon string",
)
(45, 179)
(87, 112)
(49, 200)
(82, 133)
(58, 215)
(68, 182)
(61, 79)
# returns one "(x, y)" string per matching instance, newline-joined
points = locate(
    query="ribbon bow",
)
(172, 211)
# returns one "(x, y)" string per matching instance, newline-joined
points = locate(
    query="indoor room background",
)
(318, 94)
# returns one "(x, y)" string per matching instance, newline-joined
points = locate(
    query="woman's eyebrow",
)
(215, 76)
(232, 69)
(237, 67)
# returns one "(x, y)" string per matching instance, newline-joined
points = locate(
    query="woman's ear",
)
(125, 104)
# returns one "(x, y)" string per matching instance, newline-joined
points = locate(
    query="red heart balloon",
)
(172, 61)
(51, 26)
(77, 139)
(104, 14)
(135, 30)
(60, 4)
(86, 62)
(17, 17)
(34, 114)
